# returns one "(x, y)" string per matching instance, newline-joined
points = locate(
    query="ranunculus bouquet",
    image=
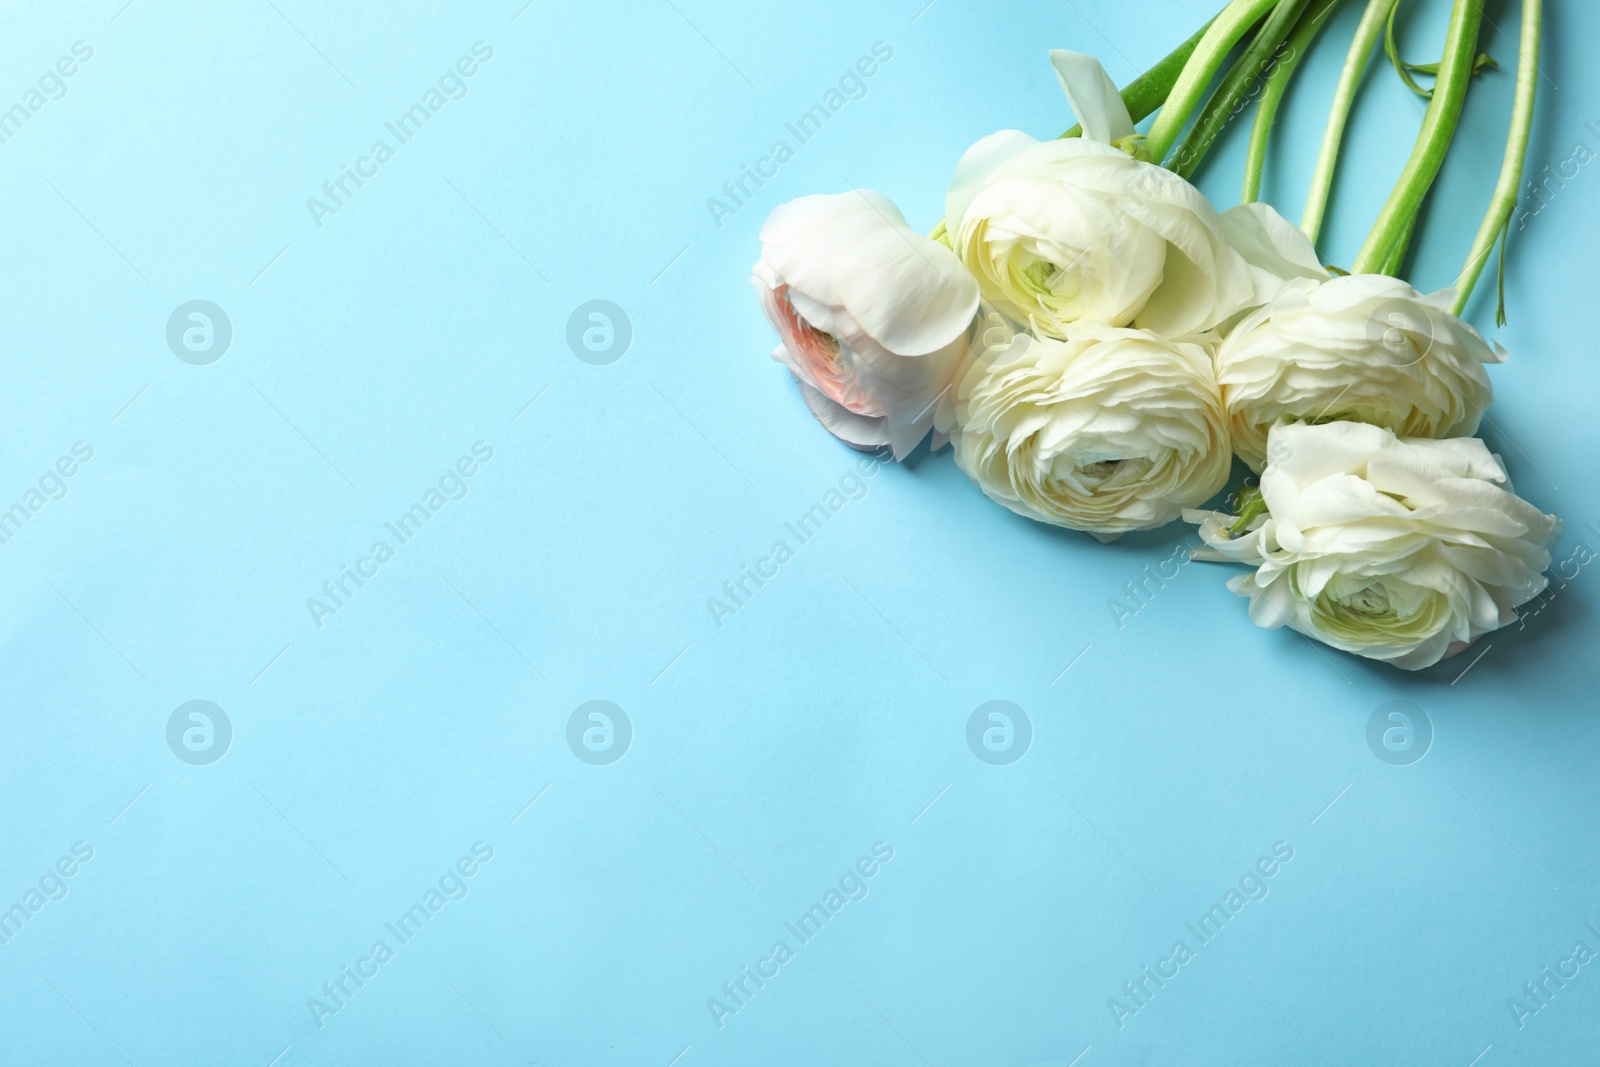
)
(1096, 341)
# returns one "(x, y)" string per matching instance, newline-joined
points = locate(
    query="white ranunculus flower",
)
(1107, 431)
(1398, 549)
(873, 315)
(1363, 348)
(1074, 229)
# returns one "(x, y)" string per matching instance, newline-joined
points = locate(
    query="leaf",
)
(1400, 65)
(1482, 62)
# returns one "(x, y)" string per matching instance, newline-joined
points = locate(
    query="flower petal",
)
(1093, 95)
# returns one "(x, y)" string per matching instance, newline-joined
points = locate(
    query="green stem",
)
(1272, 93)
(1229, 99)
(1397, 254)
(1504, 200)
(1250, 505)
(1355, 64)
(1225, 31)
(1149, 90)
(1433, 141)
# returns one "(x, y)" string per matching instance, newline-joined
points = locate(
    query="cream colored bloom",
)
(1404, 550)
(1073, 229)
(873, 316)
(1364, 348)
(1107, 431)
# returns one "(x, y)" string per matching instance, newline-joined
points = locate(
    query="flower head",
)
(1109, 430)
(1398, 549)
(1073, 229)
(873, 316)
(1362, 348)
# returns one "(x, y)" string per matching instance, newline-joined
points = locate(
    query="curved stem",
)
(1254, 62)
(1272, 93)
(1355, 64)
(1498, 220)
(1397, 254)
(1225, 31)
(1149, 90)
(1433, 141)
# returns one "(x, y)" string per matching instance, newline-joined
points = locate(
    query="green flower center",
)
(1371, 600)
(1385, 610)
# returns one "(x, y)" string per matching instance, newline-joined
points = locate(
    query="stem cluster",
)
(1267, 40)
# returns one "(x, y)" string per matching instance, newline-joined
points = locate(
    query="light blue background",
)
(828, 714)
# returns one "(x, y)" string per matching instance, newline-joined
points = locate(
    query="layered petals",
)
(1109, 430)
(1074, 229)
(1363, 348)
(872, 315)
(1396, 549)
